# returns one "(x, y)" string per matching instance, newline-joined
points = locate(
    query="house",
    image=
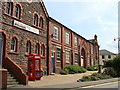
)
(105, 56)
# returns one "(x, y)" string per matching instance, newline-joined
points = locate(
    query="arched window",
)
(17, 11)
(37, 48)
(41, 22)
(9, 8)
(42, 50)
(28, 47)
(14, 44)
(36, 20)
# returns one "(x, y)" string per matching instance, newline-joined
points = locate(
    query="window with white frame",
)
(56, 33)
(67, 38)
(76, 58)
(75, 41)
(14, 44)
(67, 56)
(58, 54)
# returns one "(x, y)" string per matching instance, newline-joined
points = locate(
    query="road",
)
(104, 86)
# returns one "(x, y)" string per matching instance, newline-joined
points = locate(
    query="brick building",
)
(27, 28)
(24, 31)
(66, 47)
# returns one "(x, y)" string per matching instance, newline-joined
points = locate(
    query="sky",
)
(87, 18)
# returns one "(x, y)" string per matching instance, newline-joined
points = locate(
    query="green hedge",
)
(92, 68)
(71, 69)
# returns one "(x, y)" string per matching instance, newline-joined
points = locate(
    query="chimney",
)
(95, 37)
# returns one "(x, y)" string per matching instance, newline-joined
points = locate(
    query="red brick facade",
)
(86, 49)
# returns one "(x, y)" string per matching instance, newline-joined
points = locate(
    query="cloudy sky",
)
(87, 18)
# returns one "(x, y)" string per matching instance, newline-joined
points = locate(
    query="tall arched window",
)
(41, 22)
(17, 11)
(9, 8)
(14, 44)
(28, 47)
(42, 50)
(37, 48)
(36, 20)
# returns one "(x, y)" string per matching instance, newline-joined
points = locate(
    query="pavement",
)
(64, 81)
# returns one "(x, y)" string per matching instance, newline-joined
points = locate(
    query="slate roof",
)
(105, 52)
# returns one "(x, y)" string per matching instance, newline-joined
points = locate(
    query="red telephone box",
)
(34, 67)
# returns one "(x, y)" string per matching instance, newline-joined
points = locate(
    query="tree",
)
(116, 64)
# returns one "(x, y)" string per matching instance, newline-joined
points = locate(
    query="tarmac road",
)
(104, 86)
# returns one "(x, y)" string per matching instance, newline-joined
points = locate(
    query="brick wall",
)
(3, 78)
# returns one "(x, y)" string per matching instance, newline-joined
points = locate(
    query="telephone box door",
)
(31, 71)
(37, 70)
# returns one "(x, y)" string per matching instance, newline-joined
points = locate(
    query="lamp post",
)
(118, 45)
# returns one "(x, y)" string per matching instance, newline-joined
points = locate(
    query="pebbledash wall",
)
(27, 28)
(24, 31)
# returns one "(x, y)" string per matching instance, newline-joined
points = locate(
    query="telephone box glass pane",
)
(37, 69)
(31, 65)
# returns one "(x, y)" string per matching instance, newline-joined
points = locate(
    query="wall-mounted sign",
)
(25, 27)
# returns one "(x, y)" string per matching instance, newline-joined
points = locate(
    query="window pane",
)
(28, 47)
(35, 20)
(42, 50)
(67, 56)
(58, 54)
(56, 33)
(76, 58)
(75, 41)
(13, 44)
(37, 49)
(109, 56)
(103, 56)
(8, 8)
(17, 11)
(67, 38)
(41, 22)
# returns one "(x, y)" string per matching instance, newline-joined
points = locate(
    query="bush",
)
(86, 78)
(75, 69)
(116, 65)
(109, 63)
(94, 77)
(110, 71)
(64, 72)
(92, 68)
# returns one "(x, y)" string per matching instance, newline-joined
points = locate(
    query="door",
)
(1, 50)
(83, 62)
(53, 62)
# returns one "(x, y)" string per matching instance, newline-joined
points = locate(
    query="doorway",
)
(83, 58)
(53, 62)
(1, 48)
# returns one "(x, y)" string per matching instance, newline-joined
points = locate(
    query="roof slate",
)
(105, 52)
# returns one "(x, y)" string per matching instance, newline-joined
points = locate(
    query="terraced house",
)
(27, 28)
